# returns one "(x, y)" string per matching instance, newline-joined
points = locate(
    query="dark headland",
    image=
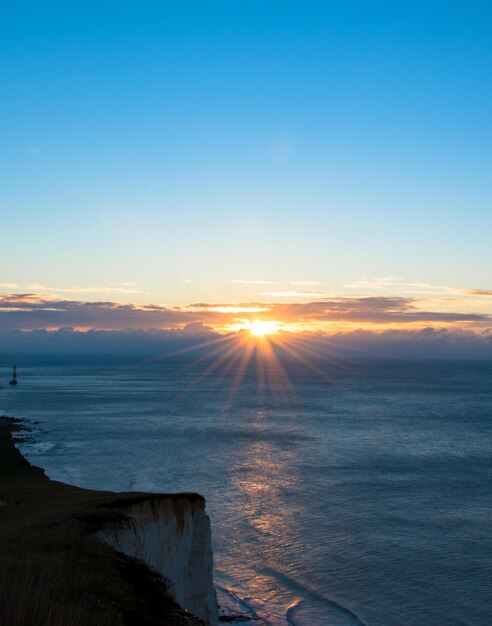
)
(56, 572)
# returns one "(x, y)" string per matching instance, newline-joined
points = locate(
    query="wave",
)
(240, 606)
(34, 449)
(349, 617)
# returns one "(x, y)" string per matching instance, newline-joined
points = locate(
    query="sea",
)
(340, 493)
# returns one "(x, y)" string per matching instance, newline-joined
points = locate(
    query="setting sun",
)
(259, 329)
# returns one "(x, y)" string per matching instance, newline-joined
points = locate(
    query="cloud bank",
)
(198, 341)
(346, 326)
(33, 311)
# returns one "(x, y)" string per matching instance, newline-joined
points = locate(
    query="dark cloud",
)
(28, 311)
(424, 343)
(375, 310)
(71, 341)
(201, 342)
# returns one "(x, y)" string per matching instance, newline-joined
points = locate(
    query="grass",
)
(53, 572)
(44, 580)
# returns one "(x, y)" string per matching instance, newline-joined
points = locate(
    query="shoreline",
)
(48, 533)
(23, 431)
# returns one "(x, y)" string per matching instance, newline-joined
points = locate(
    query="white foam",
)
(36, 448)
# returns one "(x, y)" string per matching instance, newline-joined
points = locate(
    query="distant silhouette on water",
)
(14, 376)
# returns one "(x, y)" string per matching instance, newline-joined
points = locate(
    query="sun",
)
(259, 329)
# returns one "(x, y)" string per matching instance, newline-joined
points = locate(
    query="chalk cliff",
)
(171, 533)
(99, 558)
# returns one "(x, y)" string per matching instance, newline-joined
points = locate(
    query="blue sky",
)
(162, 152)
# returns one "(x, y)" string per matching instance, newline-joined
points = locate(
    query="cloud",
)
(376, 310)
(131, 341)
(397, 285)
(373, 283)
(125, 284)
(117, 287)
(423, 343)
(228, 308)
(197, 329)
(304, 282)
(112, 288)
(479, 292)
(253, 282)
(33, 311)
(372, 325)
(294, 294)
(197, 340)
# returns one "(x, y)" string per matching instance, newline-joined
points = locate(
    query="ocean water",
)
(357, 494)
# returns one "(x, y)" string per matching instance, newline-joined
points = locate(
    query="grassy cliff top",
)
(53, 572)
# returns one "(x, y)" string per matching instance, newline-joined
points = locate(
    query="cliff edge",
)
(81, 557)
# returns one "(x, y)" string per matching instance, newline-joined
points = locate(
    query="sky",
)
(321, 165)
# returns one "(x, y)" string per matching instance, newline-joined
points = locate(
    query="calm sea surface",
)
(360, 494)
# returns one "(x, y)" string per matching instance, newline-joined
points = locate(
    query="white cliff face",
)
(171, 534)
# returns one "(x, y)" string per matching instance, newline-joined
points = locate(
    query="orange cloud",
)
(32, 311)
(479, 292)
